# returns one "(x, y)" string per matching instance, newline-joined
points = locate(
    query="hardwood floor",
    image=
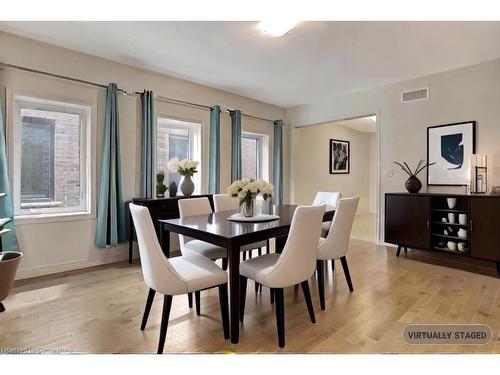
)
(100, 310)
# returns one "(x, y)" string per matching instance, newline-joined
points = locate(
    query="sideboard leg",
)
(399, 250)
(406, 249)
(498, 268)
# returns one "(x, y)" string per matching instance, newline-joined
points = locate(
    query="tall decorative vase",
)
(266, 207)
(187, 186)
(247, 207)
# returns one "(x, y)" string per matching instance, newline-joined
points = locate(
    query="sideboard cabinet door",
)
(485, 228)
(407, 220)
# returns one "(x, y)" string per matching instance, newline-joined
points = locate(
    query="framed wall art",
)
(450, 147)
(340, 158)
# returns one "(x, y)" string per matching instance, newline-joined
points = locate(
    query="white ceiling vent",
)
(414, 95)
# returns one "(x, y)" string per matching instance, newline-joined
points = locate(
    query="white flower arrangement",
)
(248, 189)
(184, 167)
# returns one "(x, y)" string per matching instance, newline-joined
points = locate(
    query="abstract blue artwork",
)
(450, 147)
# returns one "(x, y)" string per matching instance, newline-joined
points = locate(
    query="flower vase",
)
(187, 186)
(413, 185)
(247, 207)
(266, 206)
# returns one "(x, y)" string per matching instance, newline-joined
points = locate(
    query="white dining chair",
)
(331, 199)
(336, 243)
(295, 265)
(193, 207)
(175, 276)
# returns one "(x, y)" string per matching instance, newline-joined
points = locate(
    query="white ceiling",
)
(314, 60)
(362, 124)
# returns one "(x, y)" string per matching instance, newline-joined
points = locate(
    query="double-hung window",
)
(178, 139)
(50, 157)
(254, 155)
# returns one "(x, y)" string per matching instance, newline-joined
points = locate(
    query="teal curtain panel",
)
(110, 208)
(214, 156)
(148, 145)
(7, 228)
(235, 145)
(278, 162)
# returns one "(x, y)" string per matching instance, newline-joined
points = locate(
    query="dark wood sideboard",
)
(415, 221)
(160, 209)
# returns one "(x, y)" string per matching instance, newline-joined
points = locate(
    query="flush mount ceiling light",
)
(277, 28)
(373, 118)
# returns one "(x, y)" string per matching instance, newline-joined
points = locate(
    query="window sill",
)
(52, 218)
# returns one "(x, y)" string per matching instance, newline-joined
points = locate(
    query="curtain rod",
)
(137, 93)
(252, 117)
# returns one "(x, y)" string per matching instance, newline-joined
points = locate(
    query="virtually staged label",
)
(447, 334)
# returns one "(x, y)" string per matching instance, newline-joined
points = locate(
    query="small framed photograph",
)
(340, 159)
(450, 147)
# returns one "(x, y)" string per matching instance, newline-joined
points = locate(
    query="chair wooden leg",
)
(244, 255)
(280, 316)
(268, 249)
(224, 309)
(271, 295)
(167, 304)
(307, 297)
(197, 301)
(147, 309)
(343, 260)
(249, 254)
(190, 300)
(259, 251)
(333, 265)
(224, 264)
(243, 296)
(321, 282)
(257, 287)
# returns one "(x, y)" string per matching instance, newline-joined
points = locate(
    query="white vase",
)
(452, 202)
(451, 218)
(461, 247)
(462, 219)
(187, 186)
(452, 245)
(462, 233)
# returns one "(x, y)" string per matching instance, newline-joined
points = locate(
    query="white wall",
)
(311, 163)
(470, 93)
(373, 167)
(57, 246)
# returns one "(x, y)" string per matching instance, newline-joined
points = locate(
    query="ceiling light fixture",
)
(373, 118)
(277, 28)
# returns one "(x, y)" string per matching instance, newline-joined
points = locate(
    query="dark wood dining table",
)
(216, 229)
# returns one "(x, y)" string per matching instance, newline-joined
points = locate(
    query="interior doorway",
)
(314, 170)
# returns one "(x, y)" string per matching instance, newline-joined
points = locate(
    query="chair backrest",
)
(157, 271)
(298, 258)
(337, 240)
(225, 202)
(330, 198)
(192, 207)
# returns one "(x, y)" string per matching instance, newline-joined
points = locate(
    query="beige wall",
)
(373, 171)
(311, 163)
(62, 245)
(470, 93)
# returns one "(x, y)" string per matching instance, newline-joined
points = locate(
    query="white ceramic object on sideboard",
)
(444, 220)
(452, 245)
(445, 232)
(462, 219)
(462, 233)
(461, 247)
(451, 218)
(452, 202)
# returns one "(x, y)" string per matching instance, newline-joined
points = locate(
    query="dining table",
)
(217, 229)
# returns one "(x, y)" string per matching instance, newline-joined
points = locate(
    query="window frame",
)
(85, 113)
(195, 144)
(262, 140)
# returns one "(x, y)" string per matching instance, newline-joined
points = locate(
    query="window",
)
(51, 170)
(254, 155)
(177, 139)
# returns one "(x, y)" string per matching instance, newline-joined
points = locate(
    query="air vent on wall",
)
(411, 96)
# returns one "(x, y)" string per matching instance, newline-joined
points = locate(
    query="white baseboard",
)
(71, 266)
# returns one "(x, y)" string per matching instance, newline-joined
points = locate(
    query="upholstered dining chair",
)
(336, 243)
(175, 276)
(192, 207)
(331, 199)
(295, 265)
